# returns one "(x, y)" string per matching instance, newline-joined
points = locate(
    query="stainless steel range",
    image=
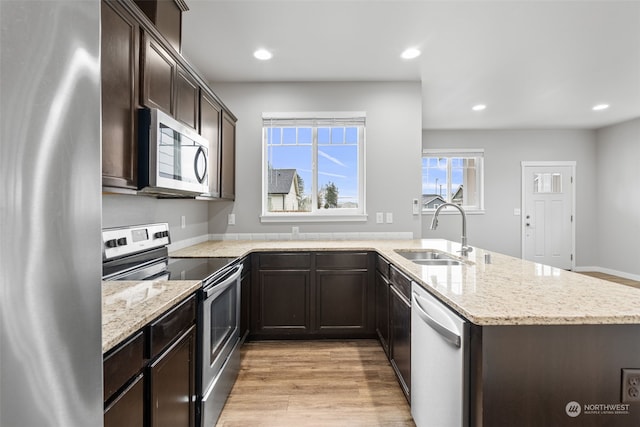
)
(140, 253)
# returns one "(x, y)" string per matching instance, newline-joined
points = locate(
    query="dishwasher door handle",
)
(446, 333)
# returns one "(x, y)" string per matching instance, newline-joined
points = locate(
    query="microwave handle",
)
(199, 153)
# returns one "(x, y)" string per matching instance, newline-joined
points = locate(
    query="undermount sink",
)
(428, 257)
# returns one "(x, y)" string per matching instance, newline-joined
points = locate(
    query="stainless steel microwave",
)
(172, 157)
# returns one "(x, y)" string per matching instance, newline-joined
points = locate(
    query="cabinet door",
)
(382, 310)
(127, 410)
(245, 298)
(284, 303)
(187, 99)
(158, 77)
(228, 156)
(210, 121)
(400, 348)
(172, 384)
(120, 47)
(342, 302)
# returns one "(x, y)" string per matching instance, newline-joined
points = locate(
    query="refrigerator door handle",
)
(446, 333)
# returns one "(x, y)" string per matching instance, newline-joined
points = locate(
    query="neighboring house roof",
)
(458, 196)
(429, 199)
(280, 181)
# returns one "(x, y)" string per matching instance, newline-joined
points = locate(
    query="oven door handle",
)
(226, 283)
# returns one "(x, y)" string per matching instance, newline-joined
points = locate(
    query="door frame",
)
(523, 166)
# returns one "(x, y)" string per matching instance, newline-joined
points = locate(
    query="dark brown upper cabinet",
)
(187, 108)
(210, 128)
(158, 76)
(166, 15)
(228, 156)
(142, 68)
(119, 61)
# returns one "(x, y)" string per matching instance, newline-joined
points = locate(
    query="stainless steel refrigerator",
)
(50, 214)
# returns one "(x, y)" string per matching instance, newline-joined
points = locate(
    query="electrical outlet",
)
(630, 385)
(295, 231)
(389, 218)
(379, 218)
(231, 219)
(183, 221)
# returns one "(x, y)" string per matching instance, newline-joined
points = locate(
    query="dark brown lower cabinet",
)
(150, 379)
(382, 310)
(342, 302)
(127, 410)
(123, 384)
(400, 347)
(172, 384)
(284, 305)
(313, 295)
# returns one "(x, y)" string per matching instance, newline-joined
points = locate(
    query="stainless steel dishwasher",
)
(439, 363)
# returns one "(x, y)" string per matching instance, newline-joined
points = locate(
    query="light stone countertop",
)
(128, 306)
(507, 291)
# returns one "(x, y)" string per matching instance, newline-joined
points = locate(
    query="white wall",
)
(499, 229)
(616, 198)
(393, 150)
(119, 210)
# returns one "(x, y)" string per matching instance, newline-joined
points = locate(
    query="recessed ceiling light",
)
(410, 53)
(262, 54)
(600, 107)
(479, 107)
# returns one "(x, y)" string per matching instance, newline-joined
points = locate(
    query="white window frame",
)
(315, 120)
(454, 153)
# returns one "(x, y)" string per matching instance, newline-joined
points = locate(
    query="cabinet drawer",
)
(123, 363)
(287, 261)
(167, 328)
(347, 260)
(383, 266)
(401, 282)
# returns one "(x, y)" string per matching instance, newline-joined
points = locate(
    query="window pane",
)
(463, 181)
(305, 136)
(289, 178)
(323, 135)
(337, 135)
(289, 135)
(274, 136)
(434, 182)
(464, 188)
(338, 176)
(547, 183)
(351, 135)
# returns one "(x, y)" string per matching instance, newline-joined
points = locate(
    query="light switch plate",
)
(415, 207)
(231, 219)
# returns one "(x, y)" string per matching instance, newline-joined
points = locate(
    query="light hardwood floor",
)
(616, 279)
(315, 383)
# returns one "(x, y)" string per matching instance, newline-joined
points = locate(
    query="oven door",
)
(220, 343)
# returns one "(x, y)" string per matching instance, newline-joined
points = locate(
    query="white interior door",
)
(548, 213)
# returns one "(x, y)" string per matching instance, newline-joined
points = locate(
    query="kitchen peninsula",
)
(540, 338)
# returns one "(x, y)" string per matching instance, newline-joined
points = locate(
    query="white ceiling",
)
(535, 64)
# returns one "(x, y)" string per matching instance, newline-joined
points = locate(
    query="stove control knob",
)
(122, 241)
(161, 234)
(111, 243)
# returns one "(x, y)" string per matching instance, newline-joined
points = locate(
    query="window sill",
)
(313, 218)
(452, 212)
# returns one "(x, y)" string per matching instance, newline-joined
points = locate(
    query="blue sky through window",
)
(291, 148)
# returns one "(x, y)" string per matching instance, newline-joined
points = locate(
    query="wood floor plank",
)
(315, 383)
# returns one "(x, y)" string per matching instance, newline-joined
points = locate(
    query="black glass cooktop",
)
(196, 268)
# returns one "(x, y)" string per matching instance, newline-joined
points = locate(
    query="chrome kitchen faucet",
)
(434, 224)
